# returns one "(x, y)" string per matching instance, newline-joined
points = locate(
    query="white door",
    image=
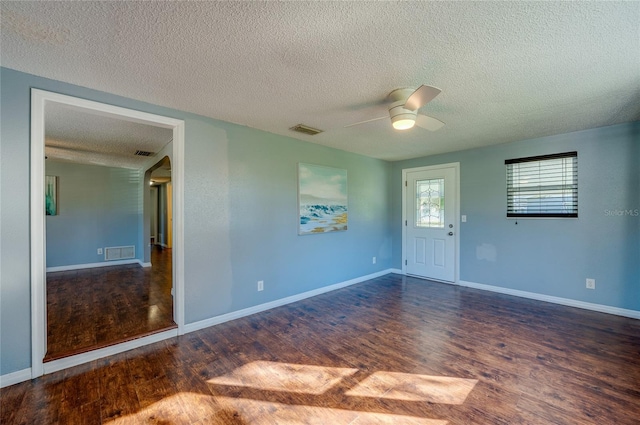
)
(430, 220)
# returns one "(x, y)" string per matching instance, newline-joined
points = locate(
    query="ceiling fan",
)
(403, 109)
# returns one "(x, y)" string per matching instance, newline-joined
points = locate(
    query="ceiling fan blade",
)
(429, 123)
(420, 97)
(366, 121)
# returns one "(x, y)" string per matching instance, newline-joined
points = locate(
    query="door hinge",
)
(405, 262)
(405, 183)
(405, 222)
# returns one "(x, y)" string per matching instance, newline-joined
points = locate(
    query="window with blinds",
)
(543, 186)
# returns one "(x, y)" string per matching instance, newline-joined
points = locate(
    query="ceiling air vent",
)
(301, 128)
(144, 153)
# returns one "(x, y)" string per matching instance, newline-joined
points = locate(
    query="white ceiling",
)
(81, 136)
(508, 70)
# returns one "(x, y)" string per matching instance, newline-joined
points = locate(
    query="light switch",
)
(464, 218)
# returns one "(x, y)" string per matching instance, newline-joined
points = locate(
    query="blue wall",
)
(240, 215)
(98, 207)
(550, 256)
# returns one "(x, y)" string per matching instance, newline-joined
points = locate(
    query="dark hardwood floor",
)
(94, 308)
(393, 350)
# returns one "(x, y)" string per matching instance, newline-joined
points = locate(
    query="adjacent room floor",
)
(393, 350)
(93, 308)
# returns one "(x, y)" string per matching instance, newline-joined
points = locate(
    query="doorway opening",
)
(160, 205)
(40, 100)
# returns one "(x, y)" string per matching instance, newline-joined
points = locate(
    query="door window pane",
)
(430, 203)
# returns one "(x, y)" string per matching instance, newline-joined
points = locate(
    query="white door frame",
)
(456, 167)
(39, 100)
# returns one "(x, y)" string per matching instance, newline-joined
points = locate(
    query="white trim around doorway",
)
(39, 100)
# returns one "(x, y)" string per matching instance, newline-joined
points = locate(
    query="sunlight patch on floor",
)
(263, 412)
(273, 376)
(181, 408)
(411, 387)
(190, 408)
(317, 408)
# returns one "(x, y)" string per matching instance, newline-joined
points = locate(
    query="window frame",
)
(572, 186)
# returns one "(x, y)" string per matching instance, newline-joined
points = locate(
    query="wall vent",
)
(301, 128)
(144, 153)
(119, 253)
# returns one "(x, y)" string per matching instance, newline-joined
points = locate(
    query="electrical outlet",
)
(373, 261)
(591, 284)
(260, 285)
(464, 218)
(99, 251)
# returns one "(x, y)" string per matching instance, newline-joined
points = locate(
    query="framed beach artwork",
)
(322, 199)
(51, 195)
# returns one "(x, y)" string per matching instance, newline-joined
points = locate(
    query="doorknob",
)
(450, 233)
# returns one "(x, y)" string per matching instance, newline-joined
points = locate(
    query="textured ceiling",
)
(77, 136)
(508, 70)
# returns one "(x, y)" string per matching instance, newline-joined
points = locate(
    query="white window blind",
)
(543, 186)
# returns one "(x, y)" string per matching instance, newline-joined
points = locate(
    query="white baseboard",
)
(56, 365)
(90, 356)
(191, 327)
(15, 377)
(144, 264)
(93, 265)
(555, 300)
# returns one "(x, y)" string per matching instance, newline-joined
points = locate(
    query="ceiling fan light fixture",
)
(401, 118)
(402, 123)
(404, 106)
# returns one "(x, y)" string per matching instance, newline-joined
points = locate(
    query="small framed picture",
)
(51, 195)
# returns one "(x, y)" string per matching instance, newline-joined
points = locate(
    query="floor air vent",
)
(119, 253)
